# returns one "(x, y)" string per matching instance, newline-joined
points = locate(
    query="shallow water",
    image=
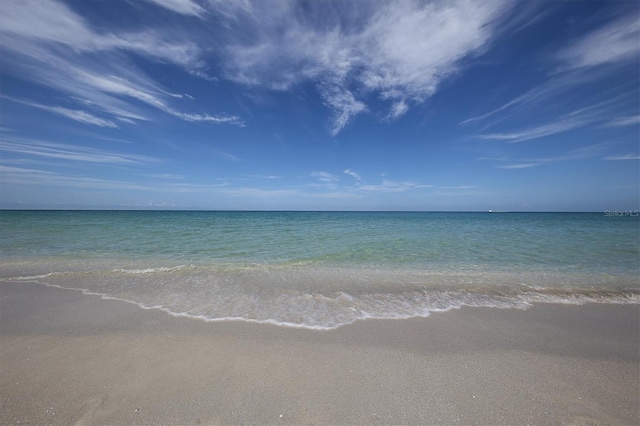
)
(325, 269)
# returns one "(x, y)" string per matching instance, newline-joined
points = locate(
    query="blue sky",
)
(318, 105)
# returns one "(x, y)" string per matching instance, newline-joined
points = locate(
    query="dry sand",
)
(70, 358)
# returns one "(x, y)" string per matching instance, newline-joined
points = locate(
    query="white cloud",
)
(392, 186)
(19, 176)
(520, 166)
(398, 51)
(165, 176)
(614, 42)
(185, 7)
(537, 132)
(536, 94)
(572, 120)
(344, 105)
(47, 21)
(46, 42)
(60, 151)
(325, 177)
(9, 169)
(81, 116)
(624, 121)
(623, 157)
(398, 109)
(459, 187)
(270, 177)
(352, 174)
(409, 47)
(227, 156)
(227, 119)
(588, 151)
(30, 25)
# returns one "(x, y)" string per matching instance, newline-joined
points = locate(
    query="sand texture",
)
(71, 358)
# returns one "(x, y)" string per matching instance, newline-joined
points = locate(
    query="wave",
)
(324, 299)
(154, 270)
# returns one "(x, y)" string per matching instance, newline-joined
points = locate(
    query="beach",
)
(71, 358)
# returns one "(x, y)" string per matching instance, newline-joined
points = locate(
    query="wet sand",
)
(70, 358)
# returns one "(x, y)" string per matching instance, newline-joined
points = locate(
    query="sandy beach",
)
(69, 358)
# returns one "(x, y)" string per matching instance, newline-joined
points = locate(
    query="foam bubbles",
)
(323, 298)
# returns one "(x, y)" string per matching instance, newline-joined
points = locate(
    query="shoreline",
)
(311, 310)
(72, 358)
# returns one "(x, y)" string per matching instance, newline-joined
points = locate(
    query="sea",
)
(322, 270)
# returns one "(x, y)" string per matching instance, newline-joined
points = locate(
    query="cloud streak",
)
(623, 157)
(48, 43)
(393, 186)
(325, 177)
(615, 42)
(77, 115)
(585, 152)
(67, 152)
(184, 7)
(583, 61)
(582, 117)
(624, 121)
(353, 174)
(537, 132)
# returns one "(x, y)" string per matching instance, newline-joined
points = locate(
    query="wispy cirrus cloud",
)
(393, 186)
(184, 7)
(458, 187)
(332, 181)
(269, 177)
(549, 129)
(77, 115)
(614, 42)
(559, 86)
(398, 52)
(325, 177)
(22, 176)
(223, 119)
(224, 154)
(582, 153)
(60, 151)
(589, 115)
(537, 94)
(30, 26)
(624, 121)
(623, 157)
(586, 60)
(520, 165)
(48, 43)
(170, 176)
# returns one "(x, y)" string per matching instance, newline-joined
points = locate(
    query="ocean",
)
(321, 270)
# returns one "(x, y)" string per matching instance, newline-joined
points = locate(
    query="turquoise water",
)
(325, 269)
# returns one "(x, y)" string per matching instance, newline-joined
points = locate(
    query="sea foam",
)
(326, 298)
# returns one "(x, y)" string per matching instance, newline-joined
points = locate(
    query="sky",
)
(320, 105)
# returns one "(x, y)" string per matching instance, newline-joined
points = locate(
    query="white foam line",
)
(183, 314)
(524, 303)
(30, 278)
(126, 271)
(152, 270)
(239, 319)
